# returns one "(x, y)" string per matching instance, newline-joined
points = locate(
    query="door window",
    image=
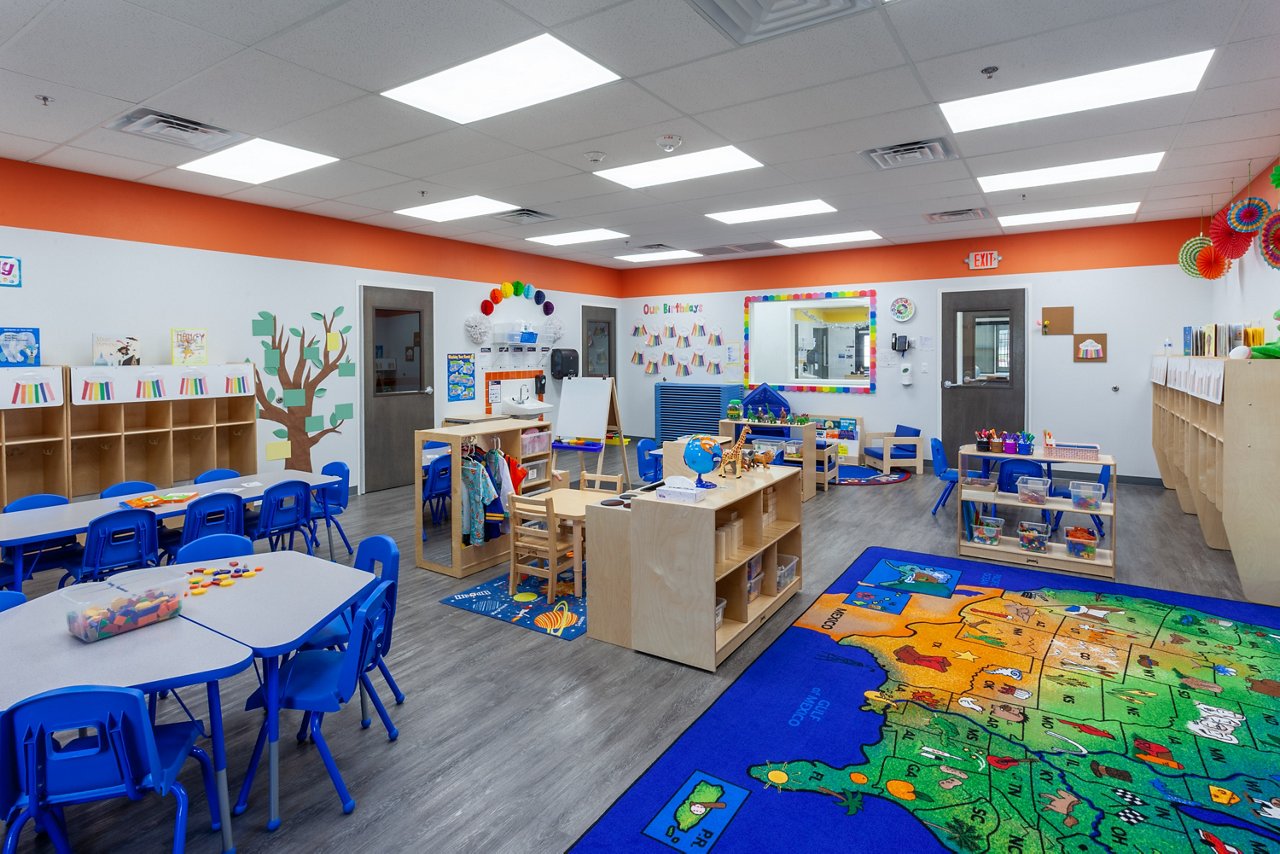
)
(397, 350)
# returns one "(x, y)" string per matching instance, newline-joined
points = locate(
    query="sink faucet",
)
(524, 395)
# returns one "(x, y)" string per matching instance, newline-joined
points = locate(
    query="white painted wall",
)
(1137, 308)
(1249, 293)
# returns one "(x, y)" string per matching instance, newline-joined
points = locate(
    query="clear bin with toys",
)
(1082, 543)
(104, 609)
(1086, 496)
(753, 587)
(987, 531)
(787, 565)
(535, 442)
(1033, 537)
(770, 449)
(1033, 490)
(720, 603)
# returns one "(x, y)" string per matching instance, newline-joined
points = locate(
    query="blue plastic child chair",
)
(122, 755)
(56, 553)
(216, 474)
(437, 486)
(215, 513)
(649, 466)
(286, 509)
(330, 501)
(944, 472)
(127, 487)
(319, 681)
(215, 547)
(121, 539)
(378, 552)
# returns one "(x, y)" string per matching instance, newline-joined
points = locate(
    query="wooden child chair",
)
(601, 482)
(539, 546)
(902, 449)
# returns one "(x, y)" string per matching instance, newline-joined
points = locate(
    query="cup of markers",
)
(204, 578)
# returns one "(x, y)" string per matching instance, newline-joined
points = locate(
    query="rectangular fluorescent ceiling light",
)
(540, 69)
(256, 161)
(458, 209)
(1088, 92)
(1074, 213)
(812, 206)
(1075, 172)
(682, 167)
(824, 239)
(588, 236)
(658, 256)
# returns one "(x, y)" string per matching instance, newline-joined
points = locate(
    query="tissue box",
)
(686, 494)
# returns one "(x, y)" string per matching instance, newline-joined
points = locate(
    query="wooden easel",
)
(612, 426)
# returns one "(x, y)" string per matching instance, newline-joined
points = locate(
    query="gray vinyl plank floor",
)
(511, 741)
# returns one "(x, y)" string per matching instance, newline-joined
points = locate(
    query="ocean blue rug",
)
(566, 619)
(867, 476)
(927, 703)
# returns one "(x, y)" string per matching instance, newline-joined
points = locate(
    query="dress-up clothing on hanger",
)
(478, 492)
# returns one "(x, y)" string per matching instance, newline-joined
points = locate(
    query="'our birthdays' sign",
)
(10, 271)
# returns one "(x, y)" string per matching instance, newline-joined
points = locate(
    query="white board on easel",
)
(584, 408)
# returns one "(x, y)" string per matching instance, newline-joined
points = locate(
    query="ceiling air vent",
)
(737, 248)
(957, 216)
(655, 247)
(175, 129)
(747, 21)
(910, 153)
(524, 216)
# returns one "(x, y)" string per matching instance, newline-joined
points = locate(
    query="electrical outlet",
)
(924, 367)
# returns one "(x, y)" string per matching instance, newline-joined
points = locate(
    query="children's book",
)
(19, 346)
(189, 346)
(115, 350)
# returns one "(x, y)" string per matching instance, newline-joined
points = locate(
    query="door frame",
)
(1026, 322)
(361, 285)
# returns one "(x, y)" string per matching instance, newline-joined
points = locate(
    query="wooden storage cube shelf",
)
(104, 419)
(144, 417)
(237, 448)
(149, 457)
(96, 464)
(236, 410)
(35, 467)
(33, 425)
(192, 413)
(194, 452)
(733, 589)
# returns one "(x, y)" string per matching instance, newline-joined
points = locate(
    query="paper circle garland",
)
(539, 298)
(495, 296)
(1211, 262)
(1248, 215)
(1229, 242)
(507, 289)
(528, 290)
(1269, 240)
(548, 307)
(486, 308)
(517, 288)
(1187, 255)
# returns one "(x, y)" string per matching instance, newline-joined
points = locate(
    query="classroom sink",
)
(531, 408)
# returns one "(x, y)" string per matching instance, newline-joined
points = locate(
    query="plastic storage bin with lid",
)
(1033, 490)
(1033, 537)
(104, 609)
(1082, 543)
(987, 531)
(535, 442)
(753, 587)
(720, 603)
(786, 569)
(1086, 495)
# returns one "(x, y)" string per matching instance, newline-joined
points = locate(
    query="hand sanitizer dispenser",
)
(905, 373)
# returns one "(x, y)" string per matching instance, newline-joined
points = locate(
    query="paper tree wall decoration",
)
(300, 362)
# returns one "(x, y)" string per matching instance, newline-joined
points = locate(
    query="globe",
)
(702, 454)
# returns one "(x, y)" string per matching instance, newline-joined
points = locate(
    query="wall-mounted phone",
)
(900, 343)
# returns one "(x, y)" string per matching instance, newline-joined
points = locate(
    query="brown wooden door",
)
(983, 364)
(398, 375)
(599, 341)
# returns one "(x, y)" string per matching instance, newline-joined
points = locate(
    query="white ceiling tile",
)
(720, 186)
(848, 47)
(22, 147)
(1220, 190)
(1074, 151)
(342, 178)
(71, 112)
(606, 109)
(1242, 62)
(441, 152)
(524, 168)
(556, 190)
(392, 220)
(364, 125)
(16, 14)
(231, 94)
(845, 137)
(379, 44)
(674, 34)
(244, 21)
(1239, 99)
(1232, 129)
(80, 160)
(136, 147)
(552, 12)
(1261, 19)
(407, 194)
(194, 182)
(635, 145)
(271, 197)
(113, 48)
(338, 210)
(606, 204)
(821, 105)
(1199, 204)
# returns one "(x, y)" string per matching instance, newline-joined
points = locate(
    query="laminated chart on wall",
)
(98, 384)
(31, 389)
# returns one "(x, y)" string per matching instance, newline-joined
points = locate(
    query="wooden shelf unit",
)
(1010, 550)
(808, 447)
(470, 559)
(1222, 460)
(655, 579)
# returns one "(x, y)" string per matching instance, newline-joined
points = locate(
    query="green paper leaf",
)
(264, 326)
(345, 330)
(344, 411)
(271, 372)
(313, 423)
(295, 332)
(271, 395)
(318, 316)
(294, 397)
(347, 369)
(280, 434)
(266, 345)
(337, 312)
(333, 420)
(321, 392)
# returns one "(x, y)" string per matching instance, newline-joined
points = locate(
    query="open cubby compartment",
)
(789, 544)
(147, 416)
(193, 413)
(733, 589)
(769, 569)
(236, 410)
(97, 420)
(32, 468)
(149, 457)
(237, 448)
(194, 451)
(34, 425)
(96, 463)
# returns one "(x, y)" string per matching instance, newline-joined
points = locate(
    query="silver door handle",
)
(947, 384)
(429, 390)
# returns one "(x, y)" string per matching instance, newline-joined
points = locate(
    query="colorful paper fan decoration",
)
(1248, 215)
(698, 330)
(1229, 242)
(668, 359)
(1187, 255)
(713, 368)
(682, 341)
(1211, 262)
(682, 369)
(1275, 177)
(651, 368)
(699, 359)
(1269, 240)
(637, 358)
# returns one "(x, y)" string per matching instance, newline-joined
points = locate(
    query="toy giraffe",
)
(734, 455)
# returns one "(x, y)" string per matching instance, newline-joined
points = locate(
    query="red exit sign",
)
(985, 260)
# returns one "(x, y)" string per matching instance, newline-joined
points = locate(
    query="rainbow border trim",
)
(831, 389)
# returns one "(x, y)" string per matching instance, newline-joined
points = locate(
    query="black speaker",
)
(564, 363)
